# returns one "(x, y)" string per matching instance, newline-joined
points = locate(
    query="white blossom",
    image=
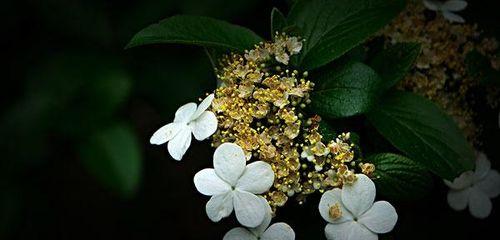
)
(277, 231)
(475, 189)
(188, 119)
(352, 214)
(447, 8)
(232, 185)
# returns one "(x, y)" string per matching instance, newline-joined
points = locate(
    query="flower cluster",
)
(440, 71)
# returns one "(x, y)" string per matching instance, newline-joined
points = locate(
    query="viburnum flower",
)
(277, 231)
(352, 214)
(475, 189)
(447, 8)
(188, 119)
(233, 184)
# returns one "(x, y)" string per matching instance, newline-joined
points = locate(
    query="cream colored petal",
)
(461, 182)
(483, 167)
(479, 204)
(278, 231)
(249, 208)
(257, 178)
(178, 145)
(359, 196)
(490, 185)
(165, 133)
(349, 231)
(203, 106)
(458, 199)
(185, 113)
(452, 17)
(229, 162)
(219, 206)
(380, 218)
(329, 199)
(432, 5)
(208, 183)
(204, 126)
(239, 233)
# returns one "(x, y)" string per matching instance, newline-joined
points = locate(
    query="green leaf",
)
(196, 30)
(113, 157)
(278, 21)
(399, 178)
(393, 63)
(331, 28)
(346, 91)
(327, 131)
(479, 66)
(418, 128)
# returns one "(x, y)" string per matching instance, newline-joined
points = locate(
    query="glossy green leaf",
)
(113, 157)
(278, 21)
(393, 63)
(418, 128)
(331, 28)
(196, 30)
(346, 91)
(399, 178)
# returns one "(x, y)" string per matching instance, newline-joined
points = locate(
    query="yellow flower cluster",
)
(260, 106)
(440, 73)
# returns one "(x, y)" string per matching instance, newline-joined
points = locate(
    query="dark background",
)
(63, 62)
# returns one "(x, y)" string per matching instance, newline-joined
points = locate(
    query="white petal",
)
(454, 5)
(483, 166)
(229, 162)
(461, 182)
(330, 198)
(219, 206)
(204, 126)
(490, 185)
(257, 231)
(458, 199)
(208, 183)
(348, 231)
(203, 106)
(452, 17)
(432, 5)
(239, 233)
(178, 145)
(380, 218)
(249, 208)
(359, 196)
(257, 178)
(185, 113)
(479, 204)
(278, 231)
(165, 133)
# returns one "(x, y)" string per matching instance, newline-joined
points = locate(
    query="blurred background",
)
(77, 111)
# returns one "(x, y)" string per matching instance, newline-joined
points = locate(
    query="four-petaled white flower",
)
(351, 213)
(447, 8)
(233, 184)
(277, 231)
(188, 119)
(475, 189)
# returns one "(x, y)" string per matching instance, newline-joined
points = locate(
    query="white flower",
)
(447, 8)
(475, 189)
(307, 153)
(351, 213)
(188, 119)
(293, 45)
(277, 231)
(233, 184)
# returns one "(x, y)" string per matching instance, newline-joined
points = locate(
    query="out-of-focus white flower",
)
(352, 214)
(447, 8)
(475, 189)
(188, 119)
(277, 231)
(233, 184)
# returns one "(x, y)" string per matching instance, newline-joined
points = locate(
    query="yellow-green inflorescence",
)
(260, 106)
